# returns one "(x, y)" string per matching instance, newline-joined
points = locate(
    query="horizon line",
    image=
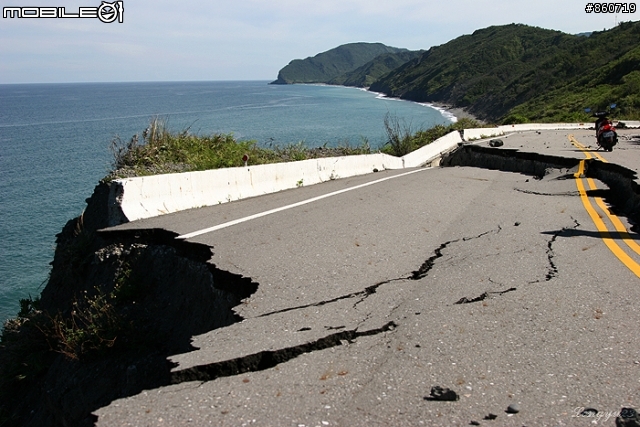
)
(136, 81)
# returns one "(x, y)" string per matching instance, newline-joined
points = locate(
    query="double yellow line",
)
(621, 231)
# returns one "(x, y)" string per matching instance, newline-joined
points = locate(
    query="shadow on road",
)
(597, 234)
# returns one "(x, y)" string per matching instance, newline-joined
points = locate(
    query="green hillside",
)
(616, 82)
(368, 73)
(328, 65)
(497, 69)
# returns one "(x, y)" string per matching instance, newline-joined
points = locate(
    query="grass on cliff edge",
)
(162, 151)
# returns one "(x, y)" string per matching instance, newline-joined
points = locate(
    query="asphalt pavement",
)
(375, 289)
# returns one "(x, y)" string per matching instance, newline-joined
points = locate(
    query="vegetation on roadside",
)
(32, 341)
(163, 151)
(402, 139)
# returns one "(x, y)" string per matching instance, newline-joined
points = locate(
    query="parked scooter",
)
(606, 135)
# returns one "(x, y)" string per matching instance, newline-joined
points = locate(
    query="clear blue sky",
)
(248, 39)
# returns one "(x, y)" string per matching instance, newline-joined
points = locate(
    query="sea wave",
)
(443, 111)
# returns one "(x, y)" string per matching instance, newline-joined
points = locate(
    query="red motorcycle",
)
(606, 135)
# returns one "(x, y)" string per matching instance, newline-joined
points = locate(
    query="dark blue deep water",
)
(54, 145)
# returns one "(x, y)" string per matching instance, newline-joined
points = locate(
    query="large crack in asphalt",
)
(267, 359)
(507, 160)
(428, 264)
(623, 193)
(539, 193)
(270, 358)
(418, 274)
(552, 269)
(235, 286)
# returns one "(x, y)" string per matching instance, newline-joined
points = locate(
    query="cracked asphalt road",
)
(358, 314)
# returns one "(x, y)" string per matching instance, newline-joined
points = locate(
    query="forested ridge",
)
(514, 73)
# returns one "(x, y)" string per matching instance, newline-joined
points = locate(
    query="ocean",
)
(54, 145)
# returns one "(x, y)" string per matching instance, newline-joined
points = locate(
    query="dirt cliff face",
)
(115, 306)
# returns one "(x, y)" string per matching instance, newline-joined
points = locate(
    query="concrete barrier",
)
(432, 152)
(144, 197)
(559, 126)
(481, 133)
(149, 196)
(631, 123)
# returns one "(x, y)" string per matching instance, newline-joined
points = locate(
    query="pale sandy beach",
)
(460, 113)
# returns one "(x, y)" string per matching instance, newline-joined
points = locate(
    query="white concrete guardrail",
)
(149, 196)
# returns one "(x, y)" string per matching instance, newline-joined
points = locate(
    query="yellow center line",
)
(597, 219)
(617, 224)
(584, 149)
(622, 230)
(606, 235)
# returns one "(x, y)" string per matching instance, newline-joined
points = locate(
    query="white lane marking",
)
(291, 206)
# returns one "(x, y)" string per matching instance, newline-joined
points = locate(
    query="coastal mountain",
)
(328, 65)
(508, 74)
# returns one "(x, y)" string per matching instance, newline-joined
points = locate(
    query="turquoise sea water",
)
(54, 141)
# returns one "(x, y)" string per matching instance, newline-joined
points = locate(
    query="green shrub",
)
(162, 151)
(514, 119)
(93, 326)
(401, 139)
